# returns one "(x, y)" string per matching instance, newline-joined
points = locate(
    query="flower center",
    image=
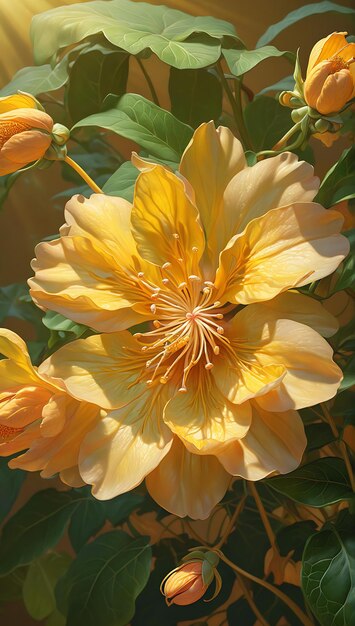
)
(187, 331)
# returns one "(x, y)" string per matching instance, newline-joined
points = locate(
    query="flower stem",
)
(304, 619)
(263, 515)
(251, 602)
(342, 445)
(231, 523)
(236, 105)
(283, 141)
(149, 81)
(83, 174)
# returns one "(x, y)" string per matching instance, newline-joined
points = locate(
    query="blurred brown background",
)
(29, 214)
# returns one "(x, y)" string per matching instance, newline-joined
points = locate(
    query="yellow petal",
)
(17, 101)
(304, 309)
(262, 335)
(287, 247)
(188, 484)
(82, 280)
(209, 162)
(165, 222)
(269, 184)
(101, 369)
(240, 380)
(17, 369)
(124, 447)
(326, 48)
(203, 418)
(275, 442)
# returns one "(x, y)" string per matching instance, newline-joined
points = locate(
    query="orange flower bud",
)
(24, 132)
(184, 585)
(330, 80)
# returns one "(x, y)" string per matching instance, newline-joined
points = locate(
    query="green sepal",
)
(207, 573)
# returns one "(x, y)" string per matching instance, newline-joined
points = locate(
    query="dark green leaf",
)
(87, 519)
(318, 435)
(118, 509)
(10, 484)
(15, 301)
(285, 84)
(346, 273)
(299, 14)
(293, 538)
(96, 72)
(38, 589)
(271, 608)
(35, 528)
(11, 585)
(177, 38)
(339, 183)
(196, 96)
(328, 576)
(142, 121)
(38, 79)
(317, 484)
(267, 121)
(242, 61)
(349, 374)
(101, 586)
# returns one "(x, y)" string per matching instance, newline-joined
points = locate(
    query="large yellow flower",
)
(38, 417)
(208, 387)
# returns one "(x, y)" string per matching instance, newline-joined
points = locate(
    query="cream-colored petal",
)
(288, 247)
(124, 447)
(165, 222)
(275, 442)
(188, 484)
(211, 159)
(262, 337)
(306, 310)
(82, 280)
(203, 417)
(101, 369)
(269, 184)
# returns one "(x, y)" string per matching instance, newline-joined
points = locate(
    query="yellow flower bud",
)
(184, 585)
(330, 80)
(24, 132)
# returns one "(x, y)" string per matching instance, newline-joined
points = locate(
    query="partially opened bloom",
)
(330, 79)
(184, 585)
(37, 416)
(25, 132)
(210, 385)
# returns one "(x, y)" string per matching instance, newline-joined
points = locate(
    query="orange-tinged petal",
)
(269, 184)
(306, 310)
(22, 405)
(326, 48)
(262, 336)
(124, 447)
(82, 280)
(165, 222)
(203, 418)
(23, 148)
(287, 247)
(275, 442)
(211, 159)
(188, 484)
(101, 369)
(328, 91)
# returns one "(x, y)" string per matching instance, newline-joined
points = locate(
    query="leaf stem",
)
(236, 105)
(231, 523)
(342, 445)
(263, 515)
(149, 81)
(83, 174)
(251, 602)
(304, 619)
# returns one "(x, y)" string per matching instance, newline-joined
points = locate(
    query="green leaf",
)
(10, 484)
(101, 586)
(178, 39)
(267, 121)
(242, 61)
(138, 119)
(346, 274)
(87, 519)
(294, 537)
(35, 528)
(318, 435)
(285, 84)
(118, 509)
(339, 183)
(6, 183)
(317, 484)
(11, 585)
(196, 96)
(328, 576)
(96, 72)
(16, 302)
(38, 79)
(42, 577)
(122, 182)
(349, 374)
(300, 14)
(56, 321)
